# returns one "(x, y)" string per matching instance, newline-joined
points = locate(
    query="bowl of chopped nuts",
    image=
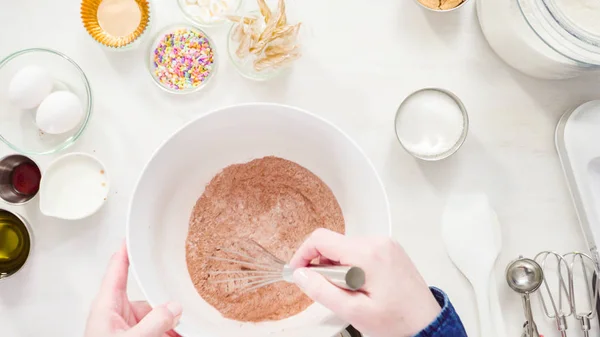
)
(441, 5)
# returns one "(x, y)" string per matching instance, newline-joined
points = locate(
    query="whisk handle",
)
(345, 277)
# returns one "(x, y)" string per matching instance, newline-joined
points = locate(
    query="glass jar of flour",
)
(549, 39)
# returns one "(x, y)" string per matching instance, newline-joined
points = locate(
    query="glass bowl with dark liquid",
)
(15, 243)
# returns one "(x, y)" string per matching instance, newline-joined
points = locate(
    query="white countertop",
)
(361, 59)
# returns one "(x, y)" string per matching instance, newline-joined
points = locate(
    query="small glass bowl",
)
(28, 244)
(442, 154)
(441, 10)
(198, 21)
(246, 67)
(151, 66)
(8, 191)
(18, 128)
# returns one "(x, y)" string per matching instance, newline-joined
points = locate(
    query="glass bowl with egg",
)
(45, 101)
(208, 13)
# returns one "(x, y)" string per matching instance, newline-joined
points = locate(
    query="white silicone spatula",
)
(471, 233)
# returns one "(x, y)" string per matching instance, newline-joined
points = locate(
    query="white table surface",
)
(361, 59)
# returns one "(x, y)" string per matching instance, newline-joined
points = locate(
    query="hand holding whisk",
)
(254, 267)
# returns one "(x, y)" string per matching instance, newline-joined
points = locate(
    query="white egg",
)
(29, 86)
(60, 112)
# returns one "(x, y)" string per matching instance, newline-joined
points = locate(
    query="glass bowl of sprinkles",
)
(182, 59)
(208, 13)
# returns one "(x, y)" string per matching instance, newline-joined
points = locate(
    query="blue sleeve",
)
(447, 324)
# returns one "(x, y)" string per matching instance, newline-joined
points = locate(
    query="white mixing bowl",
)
(175, 178)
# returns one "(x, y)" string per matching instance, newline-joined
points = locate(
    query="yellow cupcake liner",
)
(89, 17)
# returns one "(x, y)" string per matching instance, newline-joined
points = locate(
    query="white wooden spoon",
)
(471, 233)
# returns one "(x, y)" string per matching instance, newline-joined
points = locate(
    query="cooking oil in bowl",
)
(15, 244)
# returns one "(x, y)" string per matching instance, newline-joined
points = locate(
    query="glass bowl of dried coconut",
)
(263, 44)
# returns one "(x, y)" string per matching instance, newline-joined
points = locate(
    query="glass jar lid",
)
(563, 27)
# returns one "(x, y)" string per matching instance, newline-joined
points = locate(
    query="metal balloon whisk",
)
(574, 275)
(251, 267)
(559, 307)
(583, 266)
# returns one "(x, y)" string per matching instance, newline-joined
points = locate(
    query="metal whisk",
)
(561, 309)
(582, 264)
(253, 267)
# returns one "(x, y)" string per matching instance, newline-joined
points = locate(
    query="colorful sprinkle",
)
(183, 59)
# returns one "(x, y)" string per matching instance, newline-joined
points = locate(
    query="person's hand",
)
(113, 315)
(395, 300)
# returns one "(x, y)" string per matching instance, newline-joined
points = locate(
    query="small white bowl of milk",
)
(431, 124)
(73, 187)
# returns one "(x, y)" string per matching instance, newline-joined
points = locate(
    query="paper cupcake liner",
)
(89, 18)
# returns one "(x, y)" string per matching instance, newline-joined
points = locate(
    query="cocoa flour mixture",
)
(272, 201)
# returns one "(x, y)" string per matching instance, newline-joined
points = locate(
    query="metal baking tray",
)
(578, 145)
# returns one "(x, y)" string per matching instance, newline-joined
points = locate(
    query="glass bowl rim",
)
(88, 109)
(204, 24)
(152, 46)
